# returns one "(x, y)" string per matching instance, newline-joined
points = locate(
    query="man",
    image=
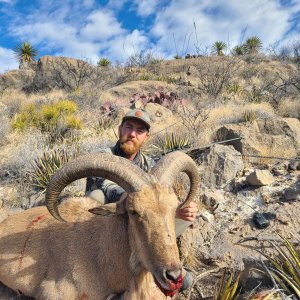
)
(133, 132)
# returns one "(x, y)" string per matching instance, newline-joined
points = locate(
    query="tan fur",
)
(91, 256)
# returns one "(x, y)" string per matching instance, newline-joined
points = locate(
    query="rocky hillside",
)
(61, 108)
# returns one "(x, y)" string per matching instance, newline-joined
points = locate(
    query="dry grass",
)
(290, 108)
(234, 113)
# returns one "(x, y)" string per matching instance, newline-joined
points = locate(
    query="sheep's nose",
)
(174, 275)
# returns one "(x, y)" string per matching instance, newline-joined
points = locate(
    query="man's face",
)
(132, 135)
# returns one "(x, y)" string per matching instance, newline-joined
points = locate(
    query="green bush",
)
(57, 119)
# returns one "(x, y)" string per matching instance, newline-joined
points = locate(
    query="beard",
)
(130, 148)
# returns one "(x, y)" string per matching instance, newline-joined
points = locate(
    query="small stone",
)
(260, 178)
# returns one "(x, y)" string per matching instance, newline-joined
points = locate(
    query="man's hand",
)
(188, 213)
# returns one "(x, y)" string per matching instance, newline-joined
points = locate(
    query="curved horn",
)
(167, 169)
(118, 169)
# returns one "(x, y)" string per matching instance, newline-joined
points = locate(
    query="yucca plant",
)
(253, 45)
(227, 288)
(45, 166)
(25, 53)
(218, 48)
(285, 268)
(238, 50)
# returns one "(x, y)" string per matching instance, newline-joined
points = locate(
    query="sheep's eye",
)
(134, 213)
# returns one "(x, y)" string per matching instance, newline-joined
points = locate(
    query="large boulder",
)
(257, 139)
(61, 72)
(289, 127)
(219, 165)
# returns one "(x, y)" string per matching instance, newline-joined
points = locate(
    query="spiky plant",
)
(45, 166)
(103, 62)
(253, 45)
(227, 288)
(238, 50)
(285, 268)
(25, 53)
(171, 142)
(218, 48)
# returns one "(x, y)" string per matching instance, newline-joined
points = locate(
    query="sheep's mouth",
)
(173, 287)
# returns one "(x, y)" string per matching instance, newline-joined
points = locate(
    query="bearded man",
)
(133, 132)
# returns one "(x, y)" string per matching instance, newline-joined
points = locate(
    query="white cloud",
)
(7, 60)
(123, 46)
(101, 26)
(146, 7)
(219, 20)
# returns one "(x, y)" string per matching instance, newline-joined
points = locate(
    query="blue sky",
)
(116, 29)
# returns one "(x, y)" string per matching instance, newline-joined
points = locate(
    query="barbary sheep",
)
(120, 249)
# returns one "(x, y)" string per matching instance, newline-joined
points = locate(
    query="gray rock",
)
(292, 193)
(260, 177)
(220, 164)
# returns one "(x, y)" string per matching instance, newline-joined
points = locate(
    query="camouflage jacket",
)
(111, 190)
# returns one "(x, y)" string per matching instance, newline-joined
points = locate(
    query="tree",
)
(25, 53)
(218, 48)
(253, 45)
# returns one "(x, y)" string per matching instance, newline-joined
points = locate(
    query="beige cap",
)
(138, 114)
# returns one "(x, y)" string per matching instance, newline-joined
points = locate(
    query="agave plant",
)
(228, 289)
(25, 53)
(285, 268)
(218, 48)
(253, 45)
(103, 62)
(171, 142)
(45, 166)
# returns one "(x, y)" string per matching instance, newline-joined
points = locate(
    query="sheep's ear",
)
(109, 209)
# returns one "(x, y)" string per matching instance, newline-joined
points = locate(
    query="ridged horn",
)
(117, 169)
(167, 169)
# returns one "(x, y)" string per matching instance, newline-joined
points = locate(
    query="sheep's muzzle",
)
(174, 286)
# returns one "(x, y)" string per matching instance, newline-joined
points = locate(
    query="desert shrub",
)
(254, 94)
(215, 74)
(192, 119)
(234, 88)
(5, 123)
(250, 71)
(57, 119)
(142, 58)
